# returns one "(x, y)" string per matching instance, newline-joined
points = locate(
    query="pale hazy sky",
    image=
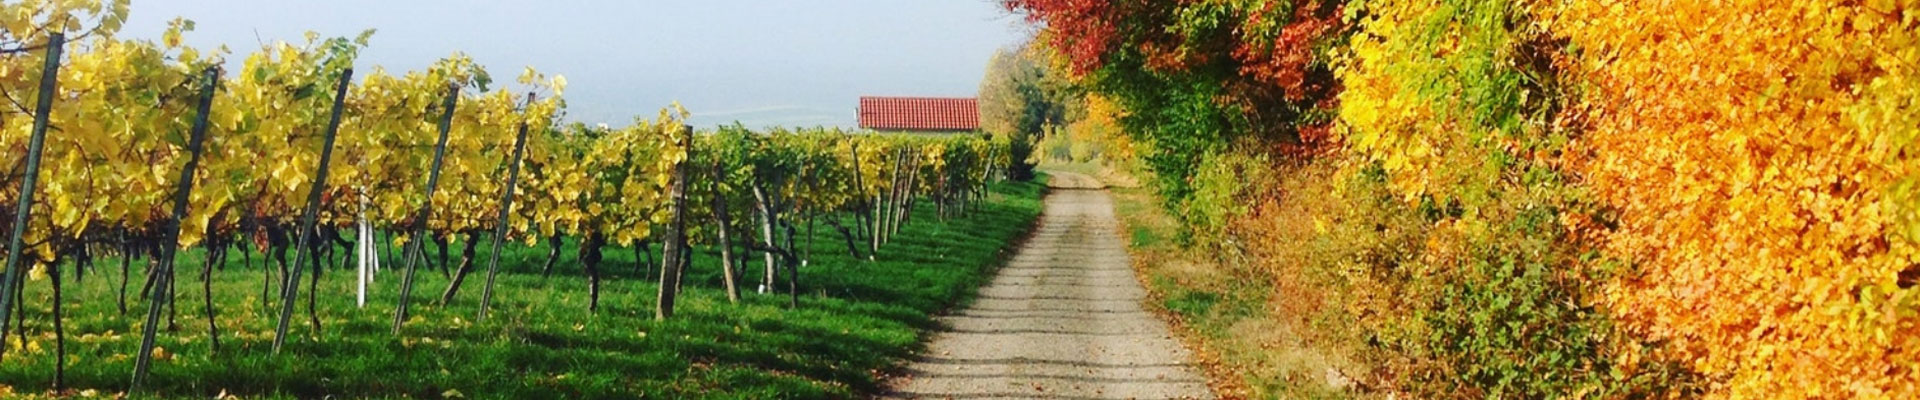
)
(790, 62)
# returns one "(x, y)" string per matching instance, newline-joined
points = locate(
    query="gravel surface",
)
(1063, 320)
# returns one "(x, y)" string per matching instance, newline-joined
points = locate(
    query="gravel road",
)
(1063, 320)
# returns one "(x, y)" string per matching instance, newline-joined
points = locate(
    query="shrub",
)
(1760, 156)
(1452, 108)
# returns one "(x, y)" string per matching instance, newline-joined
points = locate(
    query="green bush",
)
(1218, 185)
(1020, 163)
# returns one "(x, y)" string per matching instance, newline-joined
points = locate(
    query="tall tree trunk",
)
(466, 267)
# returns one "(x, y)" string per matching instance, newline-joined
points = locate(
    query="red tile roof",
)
(919, 114)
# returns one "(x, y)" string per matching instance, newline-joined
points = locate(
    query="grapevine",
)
(108, 182)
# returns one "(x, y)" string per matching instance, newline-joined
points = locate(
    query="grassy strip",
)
(1224, 310)
(856, 317)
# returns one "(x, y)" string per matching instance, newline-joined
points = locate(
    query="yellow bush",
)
(1761, 157)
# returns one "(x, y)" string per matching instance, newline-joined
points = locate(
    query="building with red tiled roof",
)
(919, 114)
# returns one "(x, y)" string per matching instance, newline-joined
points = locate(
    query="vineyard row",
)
(290, 152)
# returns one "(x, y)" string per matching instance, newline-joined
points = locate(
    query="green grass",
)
(855, 318)
(1221, 307)
(1083, 168)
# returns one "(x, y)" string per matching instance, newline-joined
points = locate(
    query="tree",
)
(1020, 98)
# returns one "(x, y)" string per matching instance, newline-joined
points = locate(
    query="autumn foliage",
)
(1760, 156)
(1278, 44)
(1087, 27)
(1531, 199)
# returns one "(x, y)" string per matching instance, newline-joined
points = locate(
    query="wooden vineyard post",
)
(506, 205)
(196, 146)
(813, 188)
(878, 227)
(880, 198)
(980, 189)
(903, 208)
(290, 288)
(417, 240)
(860, 186)
(901, 174)
(49, 78)
(895, 184)
(364, 249)
(181, 197)
(676, 239)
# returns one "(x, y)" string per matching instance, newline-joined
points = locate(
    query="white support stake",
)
(360, 297)
(373, 253)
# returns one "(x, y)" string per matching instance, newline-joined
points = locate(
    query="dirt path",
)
(1062, 321)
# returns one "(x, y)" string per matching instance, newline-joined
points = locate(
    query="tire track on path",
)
(1063, 320)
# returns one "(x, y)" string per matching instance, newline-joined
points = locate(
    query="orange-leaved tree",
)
(1761, 160)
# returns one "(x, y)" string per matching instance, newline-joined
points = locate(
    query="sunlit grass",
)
(855, 318)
